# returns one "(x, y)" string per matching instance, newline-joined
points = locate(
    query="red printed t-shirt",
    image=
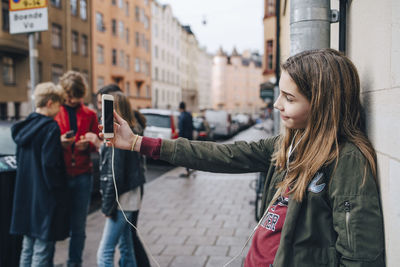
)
(267, 237)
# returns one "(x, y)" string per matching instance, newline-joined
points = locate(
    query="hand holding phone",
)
(107, 102)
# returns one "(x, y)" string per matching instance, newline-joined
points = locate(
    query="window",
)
(82, 9)
(269, 55)
(270, 8)
(138, 89)
(127, 89)
(114, 26)
(128, 62)
(8, 70)
(100, 82)
(75, 42)
(74, 7)
(156, 51)
(127, 9)
(147, 91)
(146, 22)
(121, 29)
(137, 13)
(137, 39)
(156, 73)
(156, 30)
(122, 59)
(137, 64)
(147, 45)
(6, 15)
(100, 54)
(56, 3)
(127, 35)
(114, 57)
(146, 2)
(56, 72)
(100, 22)
(114, 2)
(84, 45)
(120, 4)
(56, 39)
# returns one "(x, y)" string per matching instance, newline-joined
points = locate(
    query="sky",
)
(230, 23)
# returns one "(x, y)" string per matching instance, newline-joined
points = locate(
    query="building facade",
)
(65, 46)
(122, 48)
(166, 39)
(204, 66)
(188, 69)
(235, 82)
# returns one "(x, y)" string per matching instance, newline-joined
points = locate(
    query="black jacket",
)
(41, 190)
(186, 125)
(129, 174)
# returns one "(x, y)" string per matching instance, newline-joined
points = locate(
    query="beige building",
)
(65, 46)
(204, 67)
(166, 39)
(235, 82)
(188, 69)
(373, 44)
(122, 48)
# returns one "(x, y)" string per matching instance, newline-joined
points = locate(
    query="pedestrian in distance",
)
(140, 253)
(185, 124)
(321, 200)
(75, 117)
(40, 206)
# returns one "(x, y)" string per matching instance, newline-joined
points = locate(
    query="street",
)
(198, 221)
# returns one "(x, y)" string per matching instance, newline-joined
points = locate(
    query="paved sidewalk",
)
(201, 221)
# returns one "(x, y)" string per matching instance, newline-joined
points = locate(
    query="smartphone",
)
(107, 103)
(69, 134)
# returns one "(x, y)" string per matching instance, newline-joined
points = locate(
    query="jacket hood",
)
(24, 131)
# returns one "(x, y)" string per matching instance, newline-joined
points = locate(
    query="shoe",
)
(183, 175)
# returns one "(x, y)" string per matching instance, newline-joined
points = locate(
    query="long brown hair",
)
(123, 108)
(330, 82)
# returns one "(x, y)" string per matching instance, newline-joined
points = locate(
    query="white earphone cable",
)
(120, 207)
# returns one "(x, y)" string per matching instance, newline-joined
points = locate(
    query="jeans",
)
(80, 189)
(36, 252)
(116, 230)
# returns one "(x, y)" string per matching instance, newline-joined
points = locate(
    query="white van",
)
(161, 123)
(221, 122)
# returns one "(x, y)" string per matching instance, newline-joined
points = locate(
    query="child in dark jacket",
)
(40, 198)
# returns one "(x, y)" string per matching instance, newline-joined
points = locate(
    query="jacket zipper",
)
(347, 208)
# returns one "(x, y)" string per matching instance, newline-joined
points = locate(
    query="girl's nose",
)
(278, 105)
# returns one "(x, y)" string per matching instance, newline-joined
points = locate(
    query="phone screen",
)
(108, 116)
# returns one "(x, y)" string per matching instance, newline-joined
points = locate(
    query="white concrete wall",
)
(374, 46)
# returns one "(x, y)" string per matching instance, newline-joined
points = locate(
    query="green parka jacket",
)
(338, 223)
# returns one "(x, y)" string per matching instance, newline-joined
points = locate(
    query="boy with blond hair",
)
(40, 196)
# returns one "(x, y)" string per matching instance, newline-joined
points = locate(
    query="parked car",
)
(243, 120)
(222, 123)
(161, 123)
(202, 130)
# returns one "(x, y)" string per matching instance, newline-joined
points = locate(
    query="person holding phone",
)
(321, 200)
(129, 181)
(76, 117)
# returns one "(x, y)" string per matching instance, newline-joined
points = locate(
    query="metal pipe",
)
(32, 66)
(277, 67)
(309, 25)
(342, 25)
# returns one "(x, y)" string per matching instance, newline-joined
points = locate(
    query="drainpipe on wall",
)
(310, 24)
(342, 25)
(277, 66)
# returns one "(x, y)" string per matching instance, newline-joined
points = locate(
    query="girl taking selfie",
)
(321, 199)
